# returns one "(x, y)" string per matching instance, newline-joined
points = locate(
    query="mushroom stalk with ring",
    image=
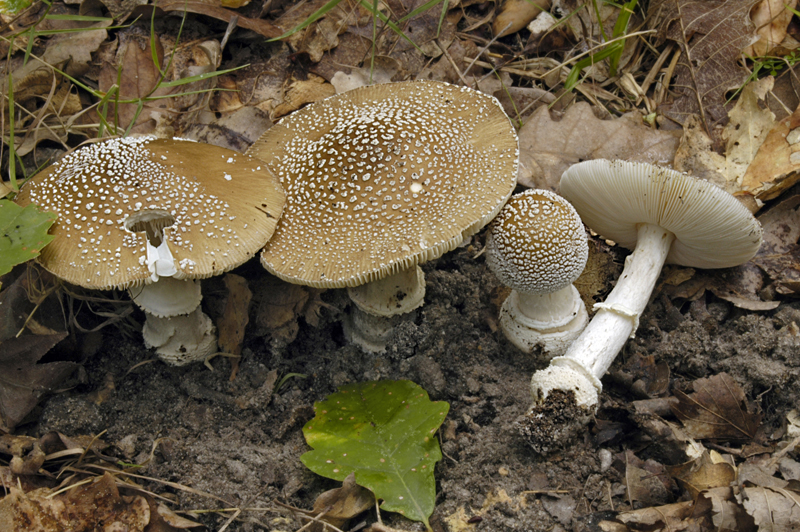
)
(617, 319)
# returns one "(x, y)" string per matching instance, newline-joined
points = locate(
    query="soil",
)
(237, 441)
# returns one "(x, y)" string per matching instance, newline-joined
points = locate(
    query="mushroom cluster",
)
(379, 180)
(666, 217)
(153, 216)
(537, 246)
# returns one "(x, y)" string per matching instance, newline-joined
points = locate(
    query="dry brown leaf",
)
(136, 75)
(231, 325)
(716, 410)
(516, 14)
(79, 509)
(302, 92)
(775, 167)
(281, 303)
(323, 34)
(235, 130)
(703, 474)
(711, 36)
(779, 255)
(771, 19)
(339, 505)
(774, 510)
(646, 482)
(548, 147)
(211, 8)
(672, 517)
(727, 515)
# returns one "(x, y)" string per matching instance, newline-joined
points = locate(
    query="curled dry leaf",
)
(707, 472)
(677, 516)
(548, 147)
(717, 410)
(726, 514)
(771, 18)
(302, 92)
(516, 14)
(339, 505)
(646, 481)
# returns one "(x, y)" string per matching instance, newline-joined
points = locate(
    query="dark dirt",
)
(234, 440)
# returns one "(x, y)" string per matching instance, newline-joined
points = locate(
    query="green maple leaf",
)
(23, 233)
(384, 432)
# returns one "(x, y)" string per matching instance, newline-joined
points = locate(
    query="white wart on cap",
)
(213, 207)
(384, 177)
(537, 245)
(666, 216)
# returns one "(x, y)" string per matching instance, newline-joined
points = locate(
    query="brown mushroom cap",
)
(537, 243)
(384, 177)
(215, 207)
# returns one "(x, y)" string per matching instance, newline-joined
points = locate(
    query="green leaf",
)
(23, 233)
(12, 7)
(384, 432)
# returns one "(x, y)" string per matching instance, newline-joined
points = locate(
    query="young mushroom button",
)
(537, 246)
(153, 216)
(664, 216)
(380, 179)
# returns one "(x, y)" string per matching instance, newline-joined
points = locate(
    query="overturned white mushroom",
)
(666, 216)
(537, 246)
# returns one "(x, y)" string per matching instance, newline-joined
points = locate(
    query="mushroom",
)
(537, 246)
(664, 216)
(379, 180)
(154, 216)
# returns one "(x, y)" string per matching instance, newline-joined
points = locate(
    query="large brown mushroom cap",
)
(384, 177)
(225, 206)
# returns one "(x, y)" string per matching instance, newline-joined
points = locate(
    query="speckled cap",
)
(712, 228)
(537, 243)
(215, 209)
(384, 177)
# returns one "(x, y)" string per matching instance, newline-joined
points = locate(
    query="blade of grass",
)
(12, 155)
(310, 20)
(389, 23)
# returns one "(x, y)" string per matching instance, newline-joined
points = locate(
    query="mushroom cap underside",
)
(215, 208)
(384, 177)
(537, 243)
(712, 228)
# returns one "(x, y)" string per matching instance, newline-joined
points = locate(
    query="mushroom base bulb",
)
(396, 294)
(564, 374)
(369, 332)
(551, 321)
(181, 340)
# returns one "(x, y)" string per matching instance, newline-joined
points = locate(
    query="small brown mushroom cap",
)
(215, 208)
(537, 243)
(384, 177)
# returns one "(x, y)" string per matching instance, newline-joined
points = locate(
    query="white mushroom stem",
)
(593, 352)
(548, 310)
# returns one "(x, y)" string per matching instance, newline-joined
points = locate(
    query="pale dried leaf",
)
(746, 131)
(703, 474)
(673, 517)
(302, 92)
(548, 147)
(772, 510)
(775, 167)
